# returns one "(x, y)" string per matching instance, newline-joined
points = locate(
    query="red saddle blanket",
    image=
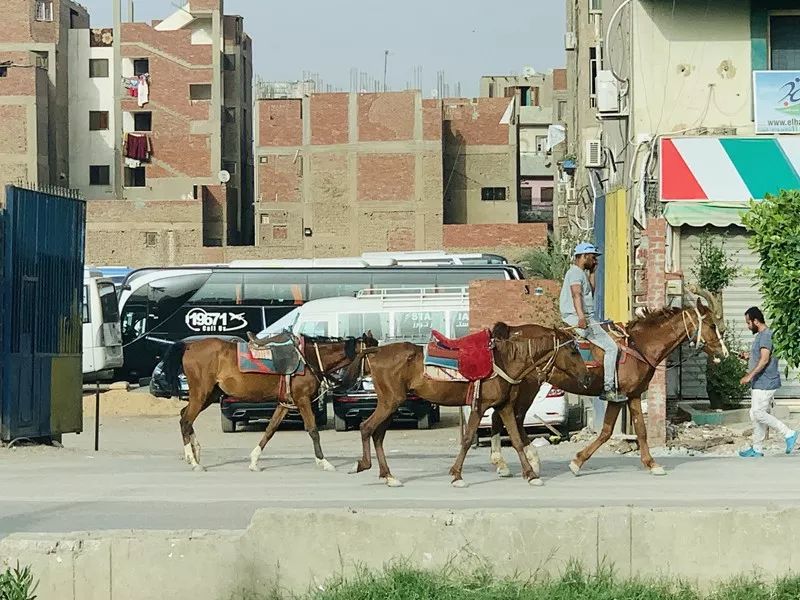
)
(473, 353)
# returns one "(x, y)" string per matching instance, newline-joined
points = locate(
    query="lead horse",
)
(398, 369)
(651, 339)
(212, 370)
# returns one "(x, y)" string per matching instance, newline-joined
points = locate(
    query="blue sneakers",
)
(790, 442)
(750, 453)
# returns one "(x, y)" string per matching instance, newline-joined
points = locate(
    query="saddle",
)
(256, 342)
(278, 355)
(619, 334)
(471, 356)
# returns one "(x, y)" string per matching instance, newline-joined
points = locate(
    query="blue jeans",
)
(598, 336)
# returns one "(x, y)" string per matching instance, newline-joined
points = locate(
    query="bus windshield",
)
(108, 302)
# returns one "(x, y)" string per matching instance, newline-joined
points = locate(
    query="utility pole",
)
(131, 18)
(385, 67)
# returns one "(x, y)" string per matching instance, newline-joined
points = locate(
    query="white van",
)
(102, 339)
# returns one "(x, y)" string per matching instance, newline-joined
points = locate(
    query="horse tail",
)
(354, 371)
(501, 331)
(173, 364)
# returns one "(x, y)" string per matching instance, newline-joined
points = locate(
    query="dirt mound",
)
(135, 403)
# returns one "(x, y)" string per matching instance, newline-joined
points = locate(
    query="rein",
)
(542, 374)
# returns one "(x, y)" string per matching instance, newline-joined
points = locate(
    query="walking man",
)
(764, 379)
(577, 310)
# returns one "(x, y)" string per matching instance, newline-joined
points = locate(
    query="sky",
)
(465, 39)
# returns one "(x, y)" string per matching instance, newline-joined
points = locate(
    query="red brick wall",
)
(279, 179)
(280, 123)
(175, 43)
(559, 80)
(652, 253)
(13, 129)
(477, 122)
(19, 81)
(386, 117)
(386, 177)
(513, 302)
(330, 123)
(521, 235)
(432, 119)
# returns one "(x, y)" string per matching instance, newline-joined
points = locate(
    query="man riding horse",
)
(578, 311)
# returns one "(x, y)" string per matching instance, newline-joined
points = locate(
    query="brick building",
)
(34, 133)
(184, 148)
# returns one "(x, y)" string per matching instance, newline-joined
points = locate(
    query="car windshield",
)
(285, 323)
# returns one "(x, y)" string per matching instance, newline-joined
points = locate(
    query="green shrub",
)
(722, 378)
(17, 584)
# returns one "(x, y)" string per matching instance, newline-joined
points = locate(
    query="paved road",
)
(139, 481)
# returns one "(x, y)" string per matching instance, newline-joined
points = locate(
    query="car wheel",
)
(339, 423)
(228, 425)
(424, 422)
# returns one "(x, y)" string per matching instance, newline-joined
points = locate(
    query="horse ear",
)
(369, 333)
(699, 304)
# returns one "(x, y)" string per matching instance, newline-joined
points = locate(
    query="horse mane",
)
(501, 331)
(651, 316)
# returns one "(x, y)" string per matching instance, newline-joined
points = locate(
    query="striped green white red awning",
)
(728, 169)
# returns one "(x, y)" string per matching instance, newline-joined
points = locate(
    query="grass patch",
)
(401, 582)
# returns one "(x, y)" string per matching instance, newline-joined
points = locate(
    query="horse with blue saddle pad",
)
(288, 369)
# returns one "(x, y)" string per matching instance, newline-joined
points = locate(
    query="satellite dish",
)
(224, 176)
(528, 71)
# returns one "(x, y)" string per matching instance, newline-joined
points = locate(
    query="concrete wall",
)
(362, 171)
(299, 549)
(87, 94)
(479, 151)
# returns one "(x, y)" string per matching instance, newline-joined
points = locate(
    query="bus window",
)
(407, 277)
(333, 284)
(85, 304)
(220, 288)
(355, 324)
(108, 302)
(167, 296)
(459, 323)
(134, 315)
(274, 289)
(417, 325)
(314, 328)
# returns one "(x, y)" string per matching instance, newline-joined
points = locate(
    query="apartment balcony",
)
(535, 164)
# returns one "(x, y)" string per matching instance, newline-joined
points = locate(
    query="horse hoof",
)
(198, 468)
(658, 470)
(535, 482)
(255, 468)
(392, 482)
(354, 469)
(325, 465)
(459, 483)
(573, 466)
(504, 472)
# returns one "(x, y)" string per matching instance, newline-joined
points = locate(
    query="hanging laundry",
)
(132, 163)
(137, 147)
(143, 90)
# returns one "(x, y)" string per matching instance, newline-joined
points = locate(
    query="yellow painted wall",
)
(617, 271)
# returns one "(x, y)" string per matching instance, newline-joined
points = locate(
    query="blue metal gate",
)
(41, 282)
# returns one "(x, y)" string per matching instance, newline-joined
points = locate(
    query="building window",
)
(99, 174)
(546, 195)
(73, 19)
(150, 239)
(229, 62)
(784, 42)
(98, 120)
(594, 67)
(541, 143)
(143, 121)
(229, 166)
(491, 194)
(42, 59)
(200, 91)
(562, 110)
(526, 196)
(141, 66)
(44, 10)
(595, 6)
(3, 71)
(98, 67)
(230, 115)
(135, 177)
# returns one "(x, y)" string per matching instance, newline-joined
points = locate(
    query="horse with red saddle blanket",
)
(475, 370)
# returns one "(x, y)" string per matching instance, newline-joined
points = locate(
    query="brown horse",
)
(398, 369)
(211, 367)
(654, 336)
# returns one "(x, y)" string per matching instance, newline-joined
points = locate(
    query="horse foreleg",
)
(310, 422)
(612, 412)
(197, 402)
(377, 439)
(639, 426)
(475, 417)
(272, 427)
(379, 417)
(510, 421)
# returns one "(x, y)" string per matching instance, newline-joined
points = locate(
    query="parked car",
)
(550, 404)
(350, 407)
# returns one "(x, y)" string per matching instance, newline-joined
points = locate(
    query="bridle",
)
(699, 342)
(542, 374)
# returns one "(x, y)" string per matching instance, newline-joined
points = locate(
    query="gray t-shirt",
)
(566, 305)
(770, 377)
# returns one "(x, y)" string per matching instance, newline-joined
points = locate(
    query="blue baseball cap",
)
(586, 248)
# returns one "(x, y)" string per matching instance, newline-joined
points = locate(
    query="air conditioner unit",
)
(570, 40)
(607, 88)
(593, 154)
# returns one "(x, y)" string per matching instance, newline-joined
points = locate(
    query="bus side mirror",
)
(126, 287)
